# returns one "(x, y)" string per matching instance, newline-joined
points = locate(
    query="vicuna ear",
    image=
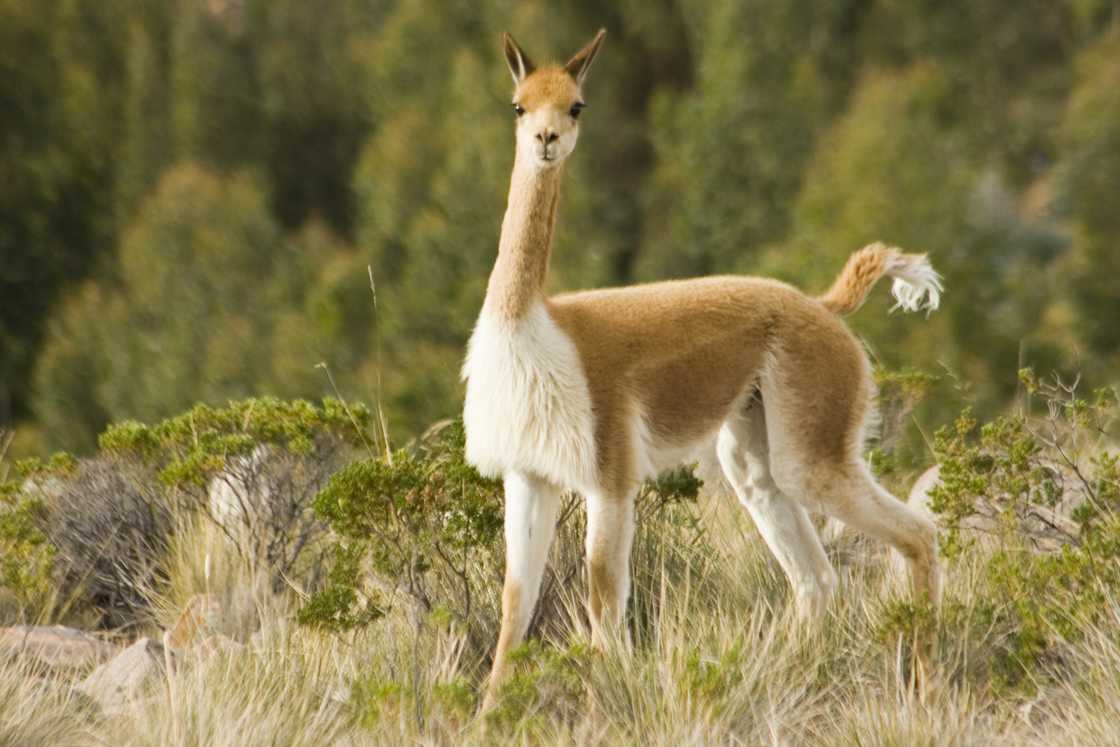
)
(581, 61)
(520, 66)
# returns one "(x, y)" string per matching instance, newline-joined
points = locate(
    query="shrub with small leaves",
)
(425, 526)
(26, 554)
(547, 683)
(94, 532)
(421, 522)
(710, 679)
(254, 467)
(893, 453)
(900, 391)
(1038, 492)
(373, 701)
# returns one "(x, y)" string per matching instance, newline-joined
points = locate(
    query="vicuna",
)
(597, 390)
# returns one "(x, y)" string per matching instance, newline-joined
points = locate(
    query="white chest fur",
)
(528, 407)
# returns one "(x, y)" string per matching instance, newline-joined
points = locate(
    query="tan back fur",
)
(684, 353)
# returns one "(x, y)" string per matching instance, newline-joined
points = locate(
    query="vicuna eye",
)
(518, 109)
(576, 109)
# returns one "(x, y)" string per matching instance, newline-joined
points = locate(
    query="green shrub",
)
(422, 521)
(710, 679)
(547, 683)
(899, 393)
(272, 457)
(26, 555)
(96, 531)
(424, 524)
(1037, 497)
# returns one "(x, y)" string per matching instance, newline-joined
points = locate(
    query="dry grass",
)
(718, 659)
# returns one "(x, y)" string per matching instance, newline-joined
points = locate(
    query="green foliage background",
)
(191, 191)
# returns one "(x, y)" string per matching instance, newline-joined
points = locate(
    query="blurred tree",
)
(407, 68)
(58, 138)
(315, 99)
(1008, 69)
(452, 243)
(1090, 176)
(79, 341)
(193, 315)
(731, 151)
(147, 147)
(216, 107)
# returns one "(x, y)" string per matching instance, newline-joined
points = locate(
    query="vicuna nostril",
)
(547, 137)
(553, 137)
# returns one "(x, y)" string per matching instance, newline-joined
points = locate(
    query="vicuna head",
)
(548, 101)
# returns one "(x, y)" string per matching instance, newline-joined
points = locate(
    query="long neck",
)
(519, 274)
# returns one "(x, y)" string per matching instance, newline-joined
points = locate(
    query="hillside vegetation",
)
(363, 587)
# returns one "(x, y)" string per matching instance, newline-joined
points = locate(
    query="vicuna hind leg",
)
(816, 461)
(531, 509)
(610, 534)
(817, 400)
(784, 525)
(847, 491)
(875, 512)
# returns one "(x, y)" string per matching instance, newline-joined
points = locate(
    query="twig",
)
(462, 577)
(377, 367)
(353, 421)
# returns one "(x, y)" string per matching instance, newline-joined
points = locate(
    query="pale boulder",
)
(56, 646)
(125, 677)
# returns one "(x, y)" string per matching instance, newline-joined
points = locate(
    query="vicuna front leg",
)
(610, 534)
(531, 510)
(784, 525)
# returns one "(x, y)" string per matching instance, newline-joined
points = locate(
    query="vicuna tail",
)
(917, 285)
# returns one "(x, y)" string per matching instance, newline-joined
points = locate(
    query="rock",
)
(124, 677)
(236, 490)
(55, 645)
(199, 616)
